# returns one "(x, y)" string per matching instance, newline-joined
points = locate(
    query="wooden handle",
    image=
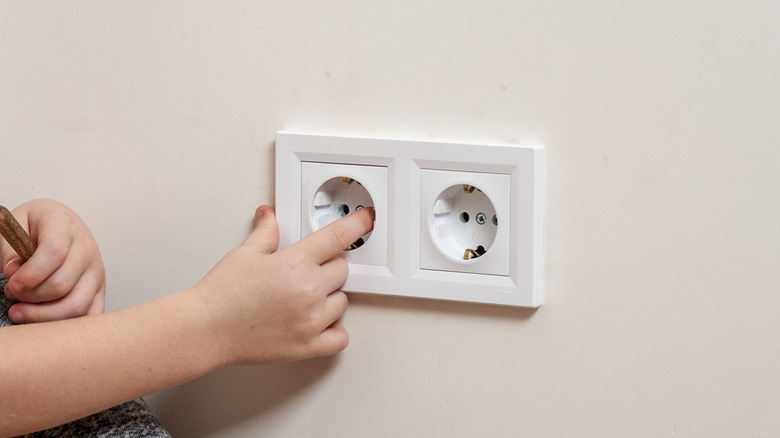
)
(15, 235)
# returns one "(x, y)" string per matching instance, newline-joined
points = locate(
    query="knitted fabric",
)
(132, 419)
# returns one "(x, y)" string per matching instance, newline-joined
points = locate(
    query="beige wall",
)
(156, 120)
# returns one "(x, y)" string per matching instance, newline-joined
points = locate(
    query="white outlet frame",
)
(404, 215)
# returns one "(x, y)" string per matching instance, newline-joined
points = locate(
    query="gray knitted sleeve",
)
(132, 419)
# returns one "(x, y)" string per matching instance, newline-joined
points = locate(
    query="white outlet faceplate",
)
(454, 221)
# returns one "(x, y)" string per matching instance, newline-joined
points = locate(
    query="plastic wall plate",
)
(454, 221)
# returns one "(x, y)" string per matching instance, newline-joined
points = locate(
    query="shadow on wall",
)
(231, 395)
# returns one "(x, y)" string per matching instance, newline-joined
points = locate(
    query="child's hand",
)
(267, 306)
(65, 277)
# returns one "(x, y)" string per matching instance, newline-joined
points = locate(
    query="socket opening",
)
(463, 223)
(336, 198)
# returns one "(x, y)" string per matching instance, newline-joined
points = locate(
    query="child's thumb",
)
(9, 260)
(265, 235)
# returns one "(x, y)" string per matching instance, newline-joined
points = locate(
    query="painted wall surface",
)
(155, 120)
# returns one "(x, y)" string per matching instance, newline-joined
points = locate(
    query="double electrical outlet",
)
(453, 221)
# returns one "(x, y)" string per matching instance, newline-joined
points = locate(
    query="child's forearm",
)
(255, 306)
(56, 372)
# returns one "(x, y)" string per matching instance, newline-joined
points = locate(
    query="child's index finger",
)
(329, 241)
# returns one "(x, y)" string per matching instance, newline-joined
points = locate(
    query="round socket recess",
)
(463, 223)
(336, 198)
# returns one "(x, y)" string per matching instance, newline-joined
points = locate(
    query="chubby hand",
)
(65, 277)
(271, 306)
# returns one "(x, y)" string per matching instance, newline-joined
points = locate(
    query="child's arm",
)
(255, 306)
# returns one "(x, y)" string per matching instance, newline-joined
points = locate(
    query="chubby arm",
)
(255, 306)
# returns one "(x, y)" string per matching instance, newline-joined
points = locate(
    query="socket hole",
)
(453, 231)
(334, 199)
(358, 243)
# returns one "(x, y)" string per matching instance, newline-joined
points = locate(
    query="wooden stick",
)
(15, 235)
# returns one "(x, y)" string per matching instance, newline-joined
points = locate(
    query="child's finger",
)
(266, 232)
(56, 285)
(77, 302)
(336, 305)
(47, 259)
(332, 340)
(11, 266)
(334, 273)
(328, 242)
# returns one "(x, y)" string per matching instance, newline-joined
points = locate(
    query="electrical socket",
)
(330, 191)
(463, 210)
(454, 221)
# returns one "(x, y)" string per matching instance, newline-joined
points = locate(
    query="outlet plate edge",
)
(404, 160)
